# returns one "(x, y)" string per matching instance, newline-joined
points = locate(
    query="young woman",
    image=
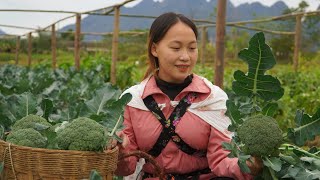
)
(176, 116)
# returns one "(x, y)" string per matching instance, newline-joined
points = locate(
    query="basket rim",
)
(7, 144)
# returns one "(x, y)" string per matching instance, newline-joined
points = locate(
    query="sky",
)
(36, 20)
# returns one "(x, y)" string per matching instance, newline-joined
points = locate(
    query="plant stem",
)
(284, 146)
(116, 126)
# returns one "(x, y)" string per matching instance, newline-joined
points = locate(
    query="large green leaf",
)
(26, 103)
(97, 104)
(255, 83)
(115, 111)
(273, 162)
(307, 127)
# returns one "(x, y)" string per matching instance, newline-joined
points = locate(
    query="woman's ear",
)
(154, 50)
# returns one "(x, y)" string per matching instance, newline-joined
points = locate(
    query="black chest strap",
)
(168, 130)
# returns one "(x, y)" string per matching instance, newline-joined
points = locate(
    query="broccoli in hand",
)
(82, 134)
(261, 135)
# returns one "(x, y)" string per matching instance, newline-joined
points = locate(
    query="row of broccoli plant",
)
(251, 108)
(35, 122)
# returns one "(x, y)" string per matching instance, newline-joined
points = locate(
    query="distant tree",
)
(235, 41)
(42, 43)
(69, 35)
(283, 44)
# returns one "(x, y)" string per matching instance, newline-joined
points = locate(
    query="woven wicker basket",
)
(26, 163)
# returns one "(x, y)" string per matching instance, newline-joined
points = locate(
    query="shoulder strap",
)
(168, 131)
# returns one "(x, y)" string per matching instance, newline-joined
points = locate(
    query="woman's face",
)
(177, 53)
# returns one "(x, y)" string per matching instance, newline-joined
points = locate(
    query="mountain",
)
(200, 9)
(1, 32)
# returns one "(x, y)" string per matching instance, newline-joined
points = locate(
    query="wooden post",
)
(220, 33)
(297, 43)
(115, 42)
(77, 42)
(17, 49)
(53, 46)
(29, 48)
(203, 44)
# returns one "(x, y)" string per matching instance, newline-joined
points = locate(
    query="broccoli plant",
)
(251, 108)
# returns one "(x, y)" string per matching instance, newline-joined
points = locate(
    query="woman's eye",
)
(175, 48)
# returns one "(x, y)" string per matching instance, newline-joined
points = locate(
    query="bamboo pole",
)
(115, 6)
(220, 33)
(264, 30)
(17, 27)
(37, 11)
(77, 42)
(251, 28)
(107, 33)
(297, 43)
(17, 50)
(29, 48)
(115, 41)
(203, 44)
(53, 46)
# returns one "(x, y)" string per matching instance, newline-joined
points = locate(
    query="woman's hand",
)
(255, 165)
(113, 142)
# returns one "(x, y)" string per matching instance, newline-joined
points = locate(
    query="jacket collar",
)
(197, 85)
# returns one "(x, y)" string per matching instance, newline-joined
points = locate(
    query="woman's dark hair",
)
(159, 28)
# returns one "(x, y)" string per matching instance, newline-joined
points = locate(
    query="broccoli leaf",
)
(312, 163)
(115, 109)
(307, 127)
(102, 96)
(259, 58)
(94, 175)
(6, 116)
(273, 162)
(307, 175)
(234, 114)
(270, 109)
(26, 104)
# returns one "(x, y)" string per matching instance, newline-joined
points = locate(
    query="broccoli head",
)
(27, 137)
(260, 135)
(29, 122)
(82, 134)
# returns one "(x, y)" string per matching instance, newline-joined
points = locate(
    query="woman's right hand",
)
(255, 165)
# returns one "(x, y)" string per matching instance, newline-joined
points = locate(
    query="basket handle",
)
(140, 154)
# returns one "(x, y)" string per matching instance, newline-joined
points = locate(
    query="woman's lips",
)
(182, 68)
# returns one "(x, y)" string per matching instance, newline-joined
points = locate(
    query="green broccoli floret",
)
(82, 134)
(261, 135)
(27, 137)
(29, 122)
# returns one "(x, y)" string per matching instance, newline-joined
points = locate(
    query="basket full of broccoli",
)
(72, 149)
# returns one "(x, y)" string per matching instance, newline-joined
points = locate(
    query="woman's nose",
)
(184, 56)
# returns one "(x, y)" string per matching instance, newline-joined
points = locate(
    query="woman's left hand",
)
(125, 141)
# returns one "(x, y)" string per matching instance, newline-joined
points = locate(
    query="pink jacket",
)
(143, 130)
